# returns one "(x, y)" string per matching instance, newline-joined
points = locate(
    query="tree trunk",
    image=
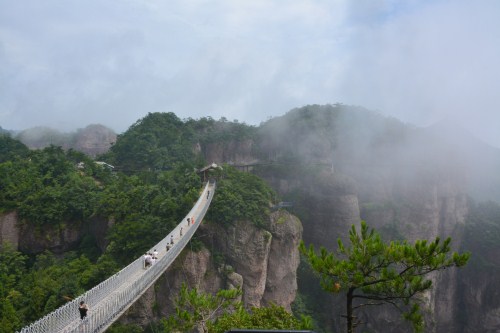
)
(349, 316)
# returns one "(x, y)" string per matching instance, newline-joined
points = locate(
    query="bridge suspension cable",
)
(111, 298)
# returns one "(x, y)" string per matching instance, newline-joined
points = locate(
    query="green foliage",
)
(72, 200)
(221, 312)
(105, 267)
(148, 211)
(311, 298)
(52, 282)
(271, 317)
(158, 141)
(28, 294)
(9, 319)
(241, 196)
(161, 141)
(11, 149)
(199, 310)
(195, 244)
(209, 131)
(47, 188)
(377, 272)
(12, 268)
(124, 328)
(51, 188)
(146, 230)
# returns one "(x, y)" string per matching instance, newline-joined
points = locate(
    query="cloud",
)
(68, 64)
(434, 61)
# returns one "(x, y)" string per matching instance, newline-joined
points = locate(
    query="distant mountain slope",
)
(91, 140)
(363, 144)
(161, 140)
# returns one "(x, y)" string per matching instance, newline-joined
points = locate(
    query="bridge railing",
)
(108, 300)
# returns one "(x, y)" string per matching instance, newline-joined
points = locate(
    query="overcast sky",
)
(67, 64)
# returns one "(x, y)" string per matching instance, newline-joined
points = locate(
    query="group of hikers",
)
(150, 258)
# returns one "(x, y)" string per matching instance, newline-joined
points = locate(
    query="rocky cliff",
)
(58, 239)
(261, 261)
(94, 140)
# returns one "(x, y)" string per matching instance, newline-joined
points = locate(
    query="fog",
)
(382, 157)
(70, 64)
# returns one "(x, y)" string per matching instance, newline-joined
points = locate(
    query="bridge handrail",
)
(101, 316)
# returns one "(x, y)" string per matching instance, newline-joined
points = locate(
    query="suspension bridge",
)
(112, 297)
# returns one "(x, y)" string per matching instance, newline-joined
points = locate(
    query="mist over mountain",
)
(92, 140)
(347, 138)
(355, 140)
(482, 161)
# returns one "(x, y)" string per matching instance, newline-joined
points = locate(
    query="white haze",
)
(67, 64)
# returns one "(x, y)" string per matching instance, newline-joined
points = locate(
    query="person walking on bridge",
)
(83, 308)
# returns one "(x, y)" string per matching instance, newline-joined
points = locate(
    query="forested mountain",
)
(161, 141)
(337, 164)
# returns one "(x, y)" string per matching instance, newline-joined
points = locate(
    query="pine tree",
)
(373, 272)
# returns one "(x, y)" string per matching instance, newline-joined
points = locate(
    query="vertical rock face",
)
(331, 218)
(262, 262)
(267, 259)
(233, 152)
(9, 233)
(94, 139)
(479, 288)
(281, 282)
(56, 238)
(328, 205)
(246, 249)
(195, 269)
